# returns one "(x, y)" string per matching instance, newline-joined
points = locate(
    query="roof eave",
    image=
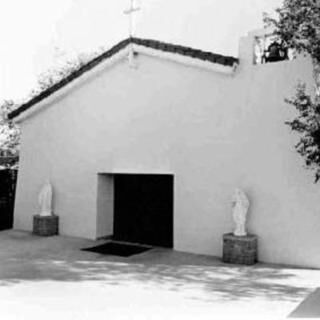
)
(181, 54)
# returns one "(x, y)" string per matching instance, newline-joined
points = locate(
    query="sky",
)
(38, 34)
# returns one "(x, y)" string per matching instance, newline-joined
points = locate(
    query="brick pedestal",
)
(240, 249)
(46, 226)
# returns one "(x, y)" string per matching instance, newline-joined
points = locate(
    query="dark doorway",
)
(7, 194)
(143, 209)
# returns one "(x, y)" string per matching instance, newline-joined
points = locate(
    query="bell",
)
(276, 52)
(273, 52)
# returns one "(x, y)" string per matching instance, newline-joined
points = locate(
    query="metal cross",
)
(130, 12)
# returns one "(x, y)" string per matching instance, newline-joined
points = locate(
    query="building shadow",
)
(308, 308)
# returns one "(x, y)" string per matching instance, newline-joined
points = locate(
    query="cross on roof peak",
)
(130, 12)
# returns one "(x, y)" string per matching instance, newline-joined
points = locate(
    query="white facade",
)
(213, 131)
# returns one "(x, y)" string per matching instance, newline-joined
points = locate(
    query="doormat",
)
(118, 249)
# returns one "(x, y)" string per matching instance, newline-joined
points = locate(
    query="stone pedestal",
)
(45, 226)
(240, 249)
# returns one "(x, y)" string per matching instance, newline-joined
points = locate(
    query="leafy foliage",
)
(53, 75)
(307, 124)
(9, 132)
(298, 25)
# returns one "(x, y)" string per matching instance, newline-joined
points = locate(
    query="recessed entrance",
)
(143, 209)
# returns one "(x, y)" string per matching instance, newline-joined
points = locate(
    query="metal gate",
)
(8, 180)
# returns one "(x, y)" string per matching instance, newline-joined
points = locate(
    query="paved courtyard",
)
(51, 278)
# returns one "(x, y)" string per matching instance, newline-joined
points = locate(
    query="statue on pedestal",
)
(45, 200)
(240, 206)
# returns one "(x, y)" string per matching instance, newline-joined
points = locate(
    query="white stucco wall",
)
(214, 132)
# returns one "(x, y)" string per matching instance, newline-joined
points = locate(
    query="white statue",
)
(45, 200)
(240, 206)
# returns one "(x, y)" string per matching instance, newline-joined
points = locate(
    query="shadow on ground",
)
(308, 308)
(29, 258)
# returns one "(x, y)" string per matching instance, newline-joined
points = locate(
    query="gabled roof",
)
(206, 56)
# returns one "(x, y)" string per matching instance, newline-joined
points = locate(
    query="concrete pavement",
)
(51, 278)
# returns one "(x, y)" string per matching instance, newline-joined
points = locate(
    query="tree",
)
(297, 24)
(9, 132)
(64, 68)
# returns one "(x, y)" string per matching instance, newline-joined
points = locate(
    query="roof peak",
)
(184, 51)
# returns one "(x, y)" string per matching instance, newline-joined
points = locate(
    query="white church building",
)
(151, 150)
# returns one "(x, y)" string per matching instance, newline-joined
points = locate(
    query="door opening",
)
(143, 209)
